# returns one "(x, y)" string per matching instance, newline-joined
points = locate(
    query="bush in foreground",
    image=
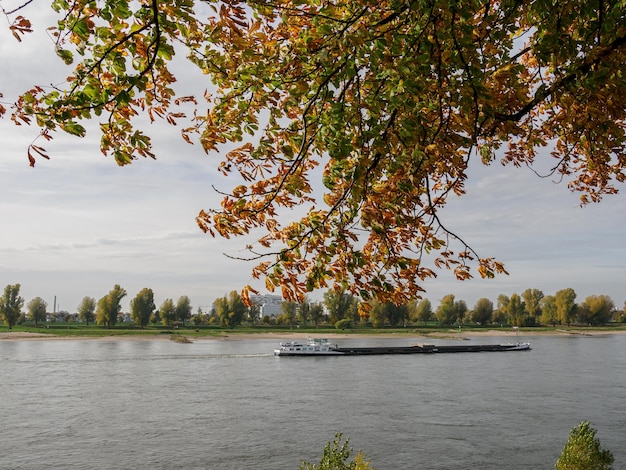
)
(583, 451)
(335, 457)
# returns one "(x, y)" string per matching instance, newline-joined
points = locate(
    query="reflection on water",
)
(233, 405)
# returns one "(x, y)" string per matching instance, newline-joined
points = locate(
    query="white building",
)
(269, 304)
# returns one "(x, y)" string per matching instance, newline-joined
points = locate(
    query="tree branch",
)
(546, 92)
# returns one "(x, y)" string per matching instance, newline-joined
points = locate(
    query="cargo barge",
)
(322, 347)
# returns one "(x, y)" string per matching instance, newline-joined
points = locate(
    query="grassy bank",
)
(126, 329)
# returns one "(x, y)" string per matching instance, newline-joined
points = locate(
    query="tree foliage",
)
(391, 99)
(449, 310)
(422, 311)
(565, 302)
(167, 312)
(596, 310)
(483, 311)
(142, 307)
(515, 310)
(335, 457)
(183, 309)
(87, 309)
(37, 310)
(583, 451)
(304, 312)
(461, 310)
(11, 305)
(289, 311)
(254, 312)
(376, 313)
(549, 314)
(532, 303)
(340, 304)
(317, 313)
(230, 309)
(388, 312)
(109, 306)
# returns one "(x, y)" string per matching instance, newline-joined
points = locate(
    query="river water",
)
(213, 404)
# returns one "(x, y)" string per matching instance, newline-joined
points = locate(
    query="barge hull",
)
(423, 349)
(431, 349)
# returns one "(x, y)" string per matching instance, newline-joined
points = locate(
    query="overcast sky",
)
(78, 224)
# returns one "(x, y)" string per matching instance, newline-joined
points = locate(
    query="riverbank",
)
(284, 335)
(451, 334)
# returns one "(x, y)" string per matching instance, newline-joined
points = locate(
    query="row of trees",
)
(530, 308)
(230, 311)
(106, 311)
(142, 308)
(341, 309)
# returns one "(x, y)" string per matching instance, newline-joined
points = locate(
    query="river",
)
(214, 404)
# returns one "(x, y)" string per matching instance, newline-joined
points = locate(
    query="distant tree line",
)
(531, 308)
(107, 311)
(340, 309)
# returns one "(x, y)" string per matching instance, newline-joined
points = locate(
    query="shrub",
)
(335, 457)
(342, 324)
(583, 451)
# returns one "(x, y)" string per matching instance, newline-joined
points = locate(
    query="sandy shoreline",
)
(451, 334)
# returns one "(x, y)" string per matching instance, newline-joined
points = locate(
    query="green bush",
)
(342, 324)
(583, 451)
(335, 457)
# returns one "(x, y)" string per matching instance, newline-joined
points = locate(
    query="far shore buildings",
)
(269, 305)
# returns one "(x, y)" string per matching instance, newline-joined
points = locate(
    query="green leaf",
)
(73, 128)
(66, 55)
(81, 29)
